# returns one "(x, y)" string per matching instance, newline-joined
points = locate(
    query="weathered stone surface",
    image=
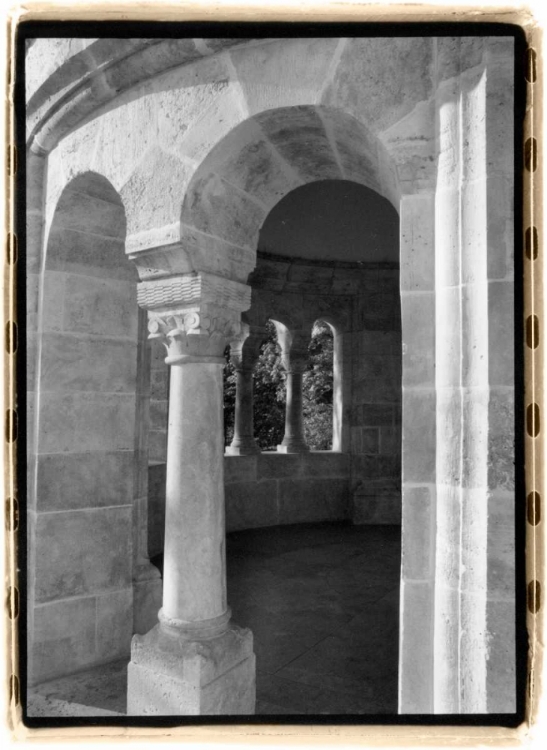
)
(411, 148)
(299, 135)
(71, 362)
(158, 415)
(416, 648)
(81, 211)
(215, 207)
(247, 160)
(317, 500)
(501, 450)
(407, 70)
(114, 625)
(376, 466)
(272, 465)
(380, 312)
(52, 313)
(324, 463)
(418, 533)
(356, 147)
(100, 305)
(154, 191)
(170, 676)
(80, 252)
(501, 672)
(379, 342)
(147, 599)
(375, 414)
(501, 546)
(382, 510)
(419, 435)
(449, 424)
(109, 421)
(365, 440)
(240, 468)
(501, 359)
(500, 227)
(301, 64)
(417, 242)
(71, 481)
(418, 318)
(379, 377)
(251, 505)
(64, 638)
(85, 561)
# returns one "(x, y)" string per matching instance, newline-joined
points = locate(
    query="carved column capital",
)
(245, 348)
(294, 349)
(194, 315)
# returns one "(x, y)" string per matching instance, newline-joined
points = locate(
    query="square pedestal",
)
(169, 676)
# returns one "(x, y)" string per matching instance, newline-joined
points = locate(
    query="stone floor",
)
(323, 603)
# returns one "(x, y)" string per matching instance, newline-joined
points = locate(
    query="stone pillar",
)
(294, 348)
(243, 354)
(146, 577)
(194, 661)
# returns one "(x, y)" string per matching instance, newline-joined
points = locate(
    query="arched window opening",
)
(318, 388)
(229, 380)
(269, 393)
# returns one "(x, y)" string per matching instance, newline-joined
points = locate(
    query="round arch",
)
(259, 162)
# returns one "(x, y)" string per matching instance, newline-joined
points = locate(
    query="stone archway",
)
(195, 315)
(86, 473)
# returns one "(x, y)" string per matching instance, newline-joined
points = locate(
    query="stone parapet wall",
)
(268, 489)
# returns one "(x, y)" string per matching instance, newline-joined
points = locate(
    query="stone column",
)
(195, 661)
(294, 348)
(243, 354)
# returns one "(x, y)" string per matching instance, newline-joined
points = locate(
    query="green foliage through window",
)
(269, 392)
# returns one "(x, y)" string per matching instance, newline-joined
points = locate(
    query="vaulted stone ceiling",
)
(332, 220)
(270, 155)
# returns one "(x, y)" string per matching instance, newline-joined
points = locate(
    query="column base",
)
(293, 447)
(147, 597)
(243, 448)
(169, 675)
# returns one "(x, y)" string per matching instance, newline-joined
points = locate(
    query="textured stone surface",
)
(64, 638)
(417, 214)
(109, 421)
(416, 686)
(87, 561)
(419, 431)
(99, 305)
(418, 317)
(71, 362)
(302, 65)
(501, 673)
(501, 462)
(406, 65)
(114, 624)
(70, 481)
(251, 505)
(370, 509)
(168, 676)
(322, 499)
(419, 532)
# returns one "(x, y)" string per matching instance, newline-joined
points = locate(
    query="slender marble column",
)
(194, 578)
(294, 347)
(195, 661)
(244, 354)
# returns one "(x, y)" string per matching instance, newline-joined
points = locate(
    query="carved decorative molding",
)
(194, 315)
(185, 291)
